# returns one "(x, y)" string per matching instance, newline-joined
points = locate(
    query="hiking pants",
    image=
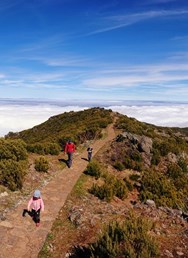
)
(36, 215)
(89, 156)
(69, 162)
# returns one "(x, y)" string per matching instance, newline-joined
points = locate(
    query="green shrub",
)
(41, 164)
(103, 124)
(44, 148)
(165, 146)
(159, 188)
(129, 163)
(128, 184)
(132, 164)
(119, 166)
(138, 166)
(11, 174)
(136, 156)
(183, 165)
(102, 192)
(111, 187)
(155, 157)
(174, 171)
(13, 149)
(94, 168)
(135, 177)
(120, 189)
(181, 184)
(126, 239)
(36, 148)
(52, 148)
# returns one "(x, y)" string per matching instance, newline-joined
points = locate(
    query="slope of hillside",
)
(142, 170)
(150, 165)
(19, 235)
(80, 126)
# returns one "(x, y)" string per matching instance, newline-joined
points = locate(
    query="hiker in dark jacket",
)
(90, 153)
(70, 149)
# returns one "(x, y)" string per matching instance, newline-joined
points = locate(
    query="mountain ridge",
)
(145, 162)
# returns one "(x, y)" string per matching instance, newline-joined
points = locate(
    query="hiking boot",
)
(24, 213)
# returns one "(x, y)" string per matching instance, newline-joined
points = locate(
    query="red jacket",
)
(70, 147)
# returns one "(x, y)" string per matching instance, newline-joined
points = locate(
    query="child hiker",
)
(35, 205)
(89, 152)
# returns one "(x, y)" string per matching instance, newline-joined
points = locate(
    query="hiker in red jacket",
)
(70, 149)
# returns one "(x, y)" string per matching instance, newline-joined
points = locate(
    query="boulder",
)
(150, 203)
(145, 144)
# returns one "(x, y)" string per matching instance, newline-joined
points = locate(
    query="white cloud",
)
(162, 81)
(124, 81)
(119, 21)
(163, 115)
(2, 76)
(165, 78)
(20, 117)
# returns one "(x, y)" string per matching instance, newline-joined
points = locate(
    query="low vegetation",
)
(128, 238)
(41, 164)
(158, 187)
(79, 126)
(13, 163)
(111, 186)
(47, 138)
(165, 178)
(44, 148)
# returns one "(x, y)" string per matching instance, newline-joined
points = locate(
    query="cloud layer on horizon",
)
(170, 116)
(16, 118)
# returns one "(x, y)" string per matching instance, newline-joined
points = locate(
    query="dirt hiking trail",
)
(19, 237)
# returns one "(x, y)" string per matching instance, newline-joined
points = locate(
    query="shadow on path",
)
(85, 159)
(64, 161)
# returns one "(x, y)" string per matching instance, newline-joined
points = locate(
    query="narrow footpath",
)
(19, 237)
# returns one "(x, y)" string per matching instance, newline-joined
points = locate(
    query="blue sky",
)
(107, 50)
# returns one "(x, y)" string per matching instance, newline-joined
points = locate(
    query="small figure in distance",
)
(35, 205)
(90, 153)
(70, 148)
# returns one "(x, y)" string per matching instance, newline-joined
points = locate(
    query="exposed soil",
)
(91, 214)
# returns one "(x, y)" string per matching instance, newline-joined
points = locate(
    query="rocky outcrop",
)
(172, 157)
(141, 143)
(145, 144)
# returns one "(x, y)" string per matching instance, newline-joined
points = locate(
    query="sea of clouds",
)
(16, 116)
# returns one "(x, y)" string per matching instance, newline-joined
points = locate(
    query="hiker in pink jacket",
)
(35, 205)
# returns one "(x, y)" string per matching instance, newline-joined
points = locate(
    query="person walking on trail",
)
(90, 153)
(70, 148)
(35, 205)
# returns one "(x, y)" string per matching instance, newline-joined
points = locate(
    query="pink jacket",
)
(35, 204)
